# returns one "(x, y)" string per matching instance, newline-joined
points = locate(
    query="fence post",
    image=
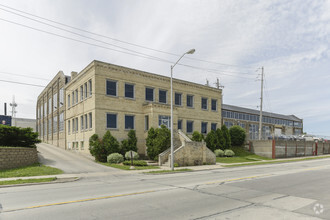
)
(296, 148)
(305, 148)
(273, 149)
(286, 148)
(250, 146)
(316, 145)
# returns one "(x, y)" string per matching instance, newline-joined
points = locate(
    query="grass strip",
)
(20, 181)
(126, 167)
(275, 161)
(32, 170)
(169, 171)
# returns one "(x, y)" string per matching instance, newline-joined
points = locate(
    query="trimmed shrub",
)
(139, 163)
(158, 140)
(229, 153)
(237, 135)
(128, 155)
(196, 136)
(219, 153)
(220, 139)
(18, 137)
(226, 136)
(97, 149)
(130, 143)
(115, 158)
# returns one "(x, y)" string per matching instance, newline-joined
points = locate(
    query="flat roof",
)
(256, 112)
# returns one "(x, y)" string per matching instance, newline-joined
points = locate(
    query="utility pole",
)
(220, 87)
(261, 99)
(13, 110)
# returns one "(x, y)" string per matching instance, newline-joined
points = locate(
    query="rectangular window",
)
(69, 126)
(190, 126)
(81, 145)
(73, 98)
(76, 96)
(85, 90)
(77, 128)
(164, 120)
(213, 104)
(61, 125)
(162, 96)
(111, 120)
(55, 124)
(55, 102)
(111, 88)
(49, 126)
(178, 99)
(129, 122)
(90, 120)
(150, 94)
(90, 87)
(129, 90)
(73, 124)
(213, 126)
(146, 122)
(204, 103)
(204, 128)
(61, 97)
(86, 122)
(190, 101)
(81, 92)
(81, 123)
(49, 110)
(69, 102)
(179, 124)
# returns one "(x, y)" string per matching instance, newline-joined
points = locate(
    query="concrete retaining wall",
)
(13, 157)
(262, 148)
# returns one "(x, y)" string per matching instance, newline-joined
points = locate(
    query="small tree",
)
(111, 145)
(129, 144)
(211, 140)
(97, 149)
(196, 136)
(158, 140)
(226, 136)
(220, 139)
(237, 135)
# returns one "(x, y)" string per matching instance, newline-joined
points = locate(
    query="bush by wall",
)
(138, 163)
(219, 153)
(237, 135)
(18, 137)
(229, 153)
(158, 140)
(196, 136)
(101, 148)
(226, 136)
(115, 158)
(129, 144)
(128, 155)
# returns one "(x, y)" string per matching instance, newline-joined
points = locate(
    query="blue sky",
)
(290, 39)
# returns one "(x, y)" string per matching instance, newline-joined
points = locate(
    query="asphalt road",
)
(298, 190)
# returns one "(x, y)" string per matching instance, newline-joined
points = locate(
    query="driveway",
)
(67, 161)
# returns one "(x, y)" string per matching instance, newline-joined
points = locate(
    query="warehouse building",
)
(272, 124)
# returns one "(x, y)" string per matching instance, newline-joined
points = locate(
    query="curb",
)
(58, 180)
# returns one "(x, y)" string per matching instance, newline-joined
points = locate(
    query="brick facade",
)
(13, 157)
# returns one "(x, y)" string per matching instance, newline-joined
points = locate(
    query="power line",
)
(121, 41)
(133, 54)
(32, 77)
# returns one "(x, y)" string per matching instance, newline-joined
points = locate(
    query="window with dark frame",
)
(150, 94)
(111, 88)
(178, 99)
(204, 128)
(213, 104)
(129, 90)
(111, 120)
(146, 122)
(204, 103)
(213, 126)
(179, 124)
(162, 96)
(129, 122)
(190, 126)
(190, 101)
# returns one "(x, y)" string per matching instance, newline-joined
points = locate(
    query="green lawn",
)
(32, 170)
(20, 181)
(241, 156)
(126, 167)
(169, 171)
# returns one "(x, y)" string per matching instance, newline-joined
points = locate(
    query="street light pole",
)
(172, 146)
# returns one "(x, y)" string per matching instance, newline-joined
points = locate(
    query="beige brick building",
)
(50, 111)
(108, 97)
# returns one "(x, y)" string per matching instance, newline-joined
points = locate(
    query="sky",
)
(232, 39)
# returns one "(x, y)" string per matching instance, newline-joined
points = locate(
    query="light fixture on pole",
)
(172, 147)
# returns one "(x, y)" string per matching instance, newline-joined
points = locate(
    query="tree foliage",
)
(110, 143)
(196, 136)
(101, 148)
(158, 140)
(226, 136)
(130, 143)
(237, 135)
(18, 137)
